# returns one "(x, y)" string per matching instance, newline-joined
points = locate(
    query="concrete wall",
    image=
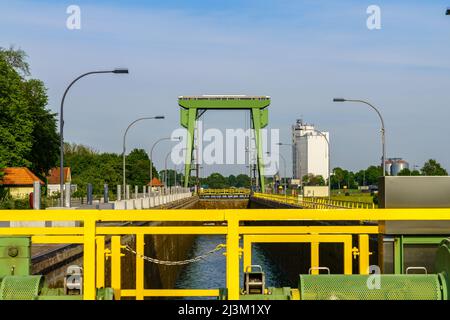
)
(315, 191)
(150, 202)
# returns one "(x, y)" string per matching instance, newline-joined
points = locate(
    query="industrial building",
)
(309, 151)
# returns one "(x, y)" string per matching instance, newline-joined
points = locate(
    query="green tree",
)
(27, 128)
(171, 177)
(216, 181)
(138, 168)
(16, 125)
(404, 172)
(232, 181)
(337, 178)
(44, 153)
(372, 175)
(313, 180)
(242, 181)
(433, 168)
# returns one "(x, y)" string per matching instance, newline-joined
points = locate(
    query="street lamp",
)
(61, 125)
(383, 156)
(286, 144)
(447, 12)
(151, 155)
(284, 164)
(165, 169)
(123, 147)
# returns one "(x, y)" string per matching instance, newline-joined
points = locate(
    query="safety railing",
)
(224, 193)
(97, 224)
(314, 202)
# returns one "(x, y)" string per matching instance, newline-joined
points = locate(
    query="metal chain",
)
(176, 263)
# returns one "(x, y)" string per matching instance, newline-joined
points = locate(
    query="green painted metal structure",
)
(192, 107)
(418, 240)
(16, 282)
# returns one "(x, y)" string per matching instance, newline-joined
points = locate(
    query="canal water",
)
(210, 273)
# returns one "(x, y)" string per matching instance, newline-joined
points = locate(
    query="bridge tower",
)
(193, 107)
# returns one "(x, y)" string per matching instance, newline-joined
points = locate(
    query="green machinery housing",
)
(16, 282)
(193, 107)
(360, 287)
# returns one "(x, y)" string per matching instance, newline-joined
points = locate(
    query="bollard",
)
(36, 195)
(105, 193)
(89, 194)
(67, 192)
(119, 192)
(127, 192)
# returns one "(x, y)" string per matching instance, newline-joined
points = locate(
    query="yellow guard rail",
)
(92, 234)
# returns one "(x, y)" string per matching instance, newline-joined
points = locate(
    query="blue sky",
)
(301, 53)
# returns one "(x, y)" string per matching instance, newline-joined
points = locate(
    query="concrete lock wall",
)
(146, 202)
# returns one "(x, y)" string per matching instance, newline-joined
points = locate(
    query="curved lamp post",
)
(61, 125)
(151, 155)
(124, 149)
(165, 169)
(383, 155)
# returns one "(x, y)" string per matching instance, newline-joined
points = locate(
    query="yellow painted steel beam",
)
(232, 261)
(222, 215)
(89, 264)
(281, 238)
(100, 266)
(113, 215)
(173, 293)
(42, 231)
(341, 214)
(139, 267)
(161, 230)
(314, 257)
(247, 252)
(348, 269)
(116, 266)
(121, 230)
(57, 239)
(364, 253)
(309, 230)
(315, 240)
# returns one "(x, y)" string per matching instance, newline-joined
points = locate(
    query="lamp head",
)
(338, 100)
(120, 70)
(159, 117)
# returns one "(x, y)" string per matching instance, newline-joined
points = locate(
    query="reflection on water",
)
(210, 273)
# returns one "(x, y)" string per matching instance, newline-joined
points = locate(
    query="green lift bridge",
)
(193, 107)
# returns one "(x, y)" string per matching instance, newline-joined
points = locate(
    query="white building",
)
(309, 151)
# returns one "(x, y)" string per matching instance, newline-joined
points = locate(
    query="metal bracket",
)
(107, 253)
(355, 252)
(416, 268)
(319, 268)
(253, 266)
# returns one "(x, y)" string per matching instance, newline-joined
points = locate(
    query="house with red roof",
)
(53, 179)
(155, 183)
(19, 181)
